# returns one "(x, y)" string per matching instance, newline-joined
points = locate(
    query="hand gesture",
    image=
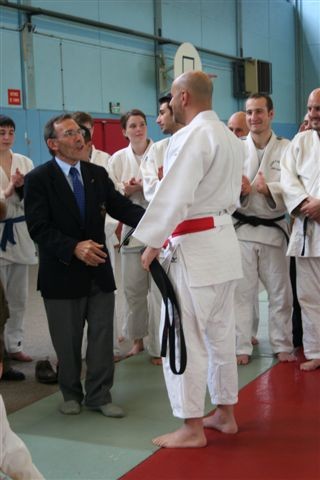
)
(245, 186)
(90, 252)
(261, 185)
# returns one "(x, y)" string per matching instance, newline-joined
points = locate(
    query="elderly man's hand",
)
(90, 252)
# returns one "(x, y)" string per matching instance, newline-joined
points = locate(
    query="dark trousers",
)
(66, 318)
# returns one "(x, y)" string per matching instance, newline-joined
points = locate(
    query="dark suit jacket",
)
(54, 223)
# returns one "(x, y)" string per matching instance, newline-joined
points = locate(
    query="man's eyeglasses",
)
(73, 133)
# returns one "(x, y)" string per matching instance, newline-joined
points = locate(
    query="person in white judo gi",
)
(300, 180)
(125, 172)
(200, 188)
(237, 123)
(263, 244)
(17, 250)
(15, 458)
(152, 173)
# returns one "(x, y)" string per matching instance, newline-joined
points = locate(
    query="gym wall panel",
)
(82, 89)
(83, 8)
(10, 70)
(223, 102)
(182, 21)
(132, 82)
(311, 21)
(214, 35)
(48, 73)
(255, 17)
(137, 15)
(219, 26)
(309, 14)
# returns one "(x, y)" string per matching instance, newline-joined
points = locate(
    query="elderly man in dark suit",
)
(65, 204)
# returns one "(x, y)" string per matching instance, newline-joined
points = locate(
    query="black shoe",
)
(45, 373)
(13, 375)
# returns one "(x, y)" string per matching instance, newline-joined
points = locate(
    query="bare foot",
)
(117, 358)
(286, 357)
(222, 420)
(243, 359)
(310, 365)
(156, 360)
(190, 435)
(137, 348)
(254, 341)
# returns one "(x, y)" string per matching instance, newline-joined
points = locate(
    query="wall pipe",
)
(93, 23)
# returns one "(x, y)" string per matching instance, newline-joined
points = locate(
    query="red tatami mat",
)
(279, 436)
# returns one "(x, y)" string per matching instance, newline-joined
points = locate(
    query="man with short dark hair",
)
(17, 251)
(262, 230)
(66, 201)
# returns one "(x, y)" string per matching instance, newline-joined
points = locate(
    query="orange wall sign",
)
(14, 96)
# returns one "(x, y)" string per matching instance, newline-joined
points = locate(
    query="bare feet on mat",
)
(254, 341)
(243, 359)
(117, 358)
(286, 357)
(310, 365)
(137, 348)
(222, 420)
(156, 360)
(190, 435)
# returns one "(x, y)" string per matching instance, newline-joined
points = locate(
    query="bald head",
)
(314, 110)
(305, 125)
(191, 94)
(197, 83)
(238, 125)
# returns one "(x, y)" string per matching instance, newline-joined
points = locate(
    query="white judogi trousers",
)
(15, 459)
(272, 266)
(209, 328)
(142, 303)
(308, 289)
(14, 278)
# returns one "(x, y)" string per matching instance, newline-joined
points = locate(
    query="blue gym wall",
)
(64, 66)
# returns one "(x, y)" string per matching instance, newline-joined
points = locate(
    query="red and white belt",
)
(194, 225)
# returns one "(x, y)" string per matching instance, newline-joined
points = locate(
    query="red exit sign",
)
(14, 96)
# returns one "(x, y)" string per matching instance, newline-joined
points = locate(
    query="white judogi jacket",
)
(150, 165)
(257, 204)
(300, 177)
(123, 166)
(98, 157)
(202, 177)
(15, 459)
(23, 251)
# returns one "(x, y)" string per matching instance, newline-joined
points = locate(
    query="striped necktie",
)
(78, 191)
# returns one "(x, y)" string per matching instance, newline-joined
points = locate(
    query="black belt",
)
(172, 311)
(256, 221)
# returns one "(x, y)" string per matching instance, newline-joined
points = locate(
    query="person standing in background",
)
(17, 250)
(126, 173)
